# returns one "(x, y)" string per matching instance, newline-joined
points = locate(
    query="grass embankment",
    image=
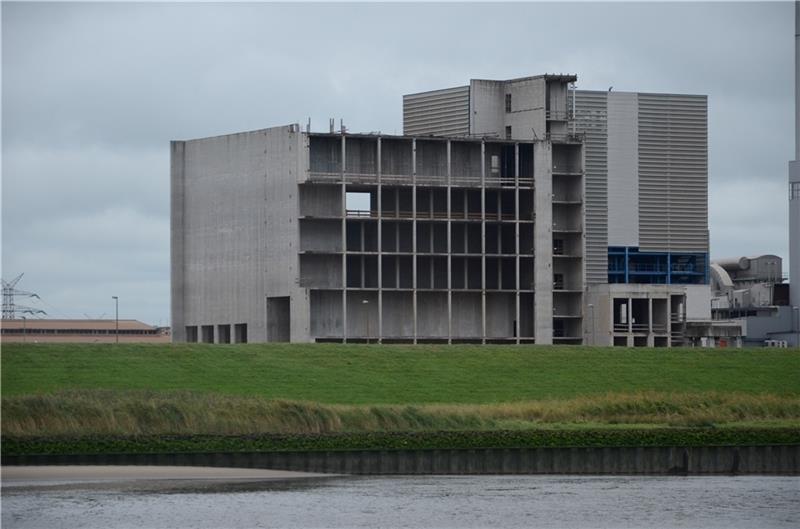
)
(359, 374)
(67, 398)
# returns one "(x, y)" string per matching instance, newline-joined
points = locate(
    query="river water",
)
(568, 502)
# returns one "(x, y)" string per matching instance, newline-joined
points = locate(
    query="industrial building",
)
(35, 330)
(645, 200)
(282, 235)
(513, 211)
(752, 291)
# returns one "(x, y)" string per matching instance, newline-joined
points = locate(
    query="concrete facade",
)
(299, 236)
(645, 185)
(228, 247)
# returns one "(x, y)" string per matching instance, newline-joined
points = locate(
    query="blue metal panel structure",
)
(626, 264)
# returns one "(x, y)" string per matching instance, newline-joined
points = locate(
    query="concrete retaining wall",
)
(625, 460)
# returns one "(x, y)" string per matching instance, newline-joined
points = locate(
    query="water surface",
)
(568, 502)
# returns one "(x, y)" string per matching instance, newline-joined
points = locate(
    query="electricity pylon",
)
(10, 309)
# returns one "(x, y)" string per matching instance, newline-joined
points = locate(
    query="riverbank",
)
(73, 399)
(18, 476)
(655, 460)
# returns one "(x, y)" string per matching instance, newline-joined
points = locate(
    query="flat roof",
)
(82, 325)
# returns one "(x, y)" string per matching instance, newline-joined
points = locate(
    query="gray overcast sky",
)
(92, 94)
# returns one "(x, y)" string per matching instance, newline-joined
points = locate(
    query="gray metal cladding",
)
(673, 172)
(439, 112)
(591, 112)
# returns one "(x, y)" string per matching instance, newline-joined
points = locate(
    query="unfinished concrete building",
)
(514, 211)
(646, 192)
(285, 235)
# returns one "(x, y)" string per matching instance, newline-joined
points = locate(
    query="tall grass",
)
(107, 412)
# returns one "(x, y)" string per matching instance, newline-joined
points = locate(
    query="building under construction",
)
(509, 211)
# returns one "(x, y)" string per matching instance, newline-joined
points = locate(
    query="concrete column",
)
(543, 241)
(414, 232)
(449, 247)
(380, 242)
(629, 308)
(177, 243)
(516, 242)
(344, 241)
(650, 340)
(483, 242)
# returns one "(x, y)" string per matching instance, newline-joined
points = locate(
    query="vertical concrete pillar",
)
(414, 232)
(177, 245)
(650, 339)
(543, 241)
(629, 308)
(362, 229)
(378, 173)
(343, 169)
(483, 241)
(517, 324)
(449, 245)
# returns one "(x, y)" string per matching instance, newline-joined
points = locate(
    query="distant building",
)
(89, 331)
(752, 290)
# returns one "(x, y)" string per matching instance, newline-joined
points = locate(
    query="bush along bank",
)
(688, 437)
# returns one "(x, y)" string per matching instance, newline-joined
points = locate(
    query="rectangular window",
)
(508, 102)
(508, 132)
(191, 333)
(794, 190)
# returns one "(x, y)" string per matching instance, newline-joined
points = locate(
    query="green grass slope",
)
(362, 374)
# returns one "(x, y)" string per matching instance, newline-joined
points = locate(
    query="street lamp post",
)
(366, 302)
(116, 318)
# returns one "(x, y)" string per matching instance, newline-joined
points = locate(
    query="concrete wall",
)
(220, 278)
(623, 169)
(599, 315)
(487, 107)
(467, 314)
(668, 460)
(698, 302)
(760, 328)
(543, 241)
(235, 230)
(527, 109)
(794, 237)
(177, 240)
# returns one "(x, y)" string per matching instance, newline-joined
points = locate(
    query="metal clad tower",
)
(794, 178)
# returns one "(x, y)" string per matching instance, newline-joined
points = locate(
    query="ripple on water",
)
(414, 502)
